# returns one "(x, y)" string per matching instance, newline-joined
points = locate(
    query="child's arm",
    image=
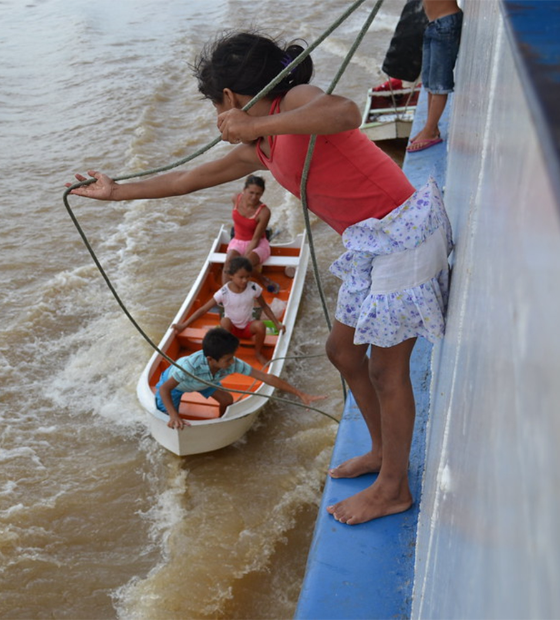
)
(280, 384)
(179, 327)
(268, 311)
(238, 163)
(175, 421)
(305, 109)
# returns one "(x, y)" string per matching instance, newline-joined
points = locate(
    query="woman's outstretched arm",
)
(238, 163)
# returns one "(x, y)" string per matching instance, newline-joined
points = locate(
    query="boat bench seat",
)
(272, 261)
(196, 334)
(194, 406)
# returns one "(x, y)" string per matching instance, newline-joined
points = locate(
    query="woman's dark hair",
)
(238, 263)
(246, 62)
(253, 179)
(219, 342)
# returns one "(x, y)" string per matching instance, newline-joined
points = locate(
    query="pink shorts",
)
(262, 250)
(244, 333)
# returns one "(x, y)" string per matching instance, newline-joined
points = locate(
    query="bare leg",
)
(226, 323)
(263, 280)
(436, 106)
(390, 493)
(258, 329)
(352, 362)
(225, 399)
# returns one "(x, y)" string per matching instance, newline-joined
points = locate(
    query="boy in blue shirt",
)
(215, 361)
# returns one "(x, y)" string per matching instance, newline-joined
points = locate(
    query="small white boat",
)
(208, 431)
(389, 110)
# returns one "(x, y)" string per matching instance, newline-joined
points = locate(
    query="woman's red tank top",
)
(244, 226)
(350, 179)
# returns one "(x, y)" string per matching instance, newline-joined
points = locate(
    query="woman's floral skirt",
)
(395, 272)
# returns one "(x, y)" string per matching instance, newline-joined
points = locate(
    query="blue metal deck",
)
(366, 571)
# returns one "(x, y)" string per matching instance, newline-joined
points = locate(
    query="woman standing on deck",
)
(397, 239)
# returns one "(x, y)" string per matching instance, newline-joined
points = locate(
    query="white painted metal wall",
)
(489, 538)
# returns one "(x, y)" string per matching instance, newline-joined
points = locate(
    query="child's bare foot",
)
(371, 503)
(367, 463)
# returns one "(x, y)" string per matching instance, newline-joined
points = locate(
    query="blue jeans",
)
(176, 394)
(439, 53)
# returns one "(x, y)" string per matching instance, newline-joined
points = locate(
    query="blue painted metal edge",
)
(367, 571)
(533, 29)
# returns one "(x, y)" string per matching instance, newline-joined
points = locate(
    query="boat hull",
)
(200, 438)
(389, 127)
(389, 113)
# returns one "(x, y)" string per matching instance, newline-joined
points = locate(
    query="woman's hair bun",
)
(303, 73)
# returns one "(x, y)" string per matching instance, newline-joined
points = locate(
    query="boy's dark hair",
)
(219, 342)
(253, 179)
(239, 262)
(246, 62)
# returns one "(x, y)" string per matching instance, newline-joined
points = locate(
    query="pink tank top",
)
(350, 179)
(244, 226)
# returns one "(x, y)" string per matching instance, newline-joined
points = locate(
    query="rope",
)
(287, 357)
(209, 146)
(307, 166)
(401, 91)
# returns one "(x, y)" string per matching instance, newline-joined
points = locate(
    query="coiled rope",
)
(207, 147)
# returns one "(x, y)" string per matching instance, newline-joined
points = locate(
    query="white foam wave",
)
(98, 376)
(22, 452)
(8, 487)
(12, 511)
(169, 510)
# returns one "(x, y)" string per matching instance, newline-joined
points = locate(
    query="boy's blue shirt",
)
(197, 364)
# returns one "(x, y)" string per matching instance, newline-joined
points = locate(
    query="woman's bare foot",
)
(367, 463)
(371, 503)
(261, 358)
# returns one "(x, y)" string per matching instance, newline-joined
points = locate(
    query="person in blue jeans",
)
(213, 362)
(439, 53)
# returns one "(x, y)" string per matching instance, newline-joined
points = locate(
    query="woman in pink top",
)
(250, 219)
(394, 270)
